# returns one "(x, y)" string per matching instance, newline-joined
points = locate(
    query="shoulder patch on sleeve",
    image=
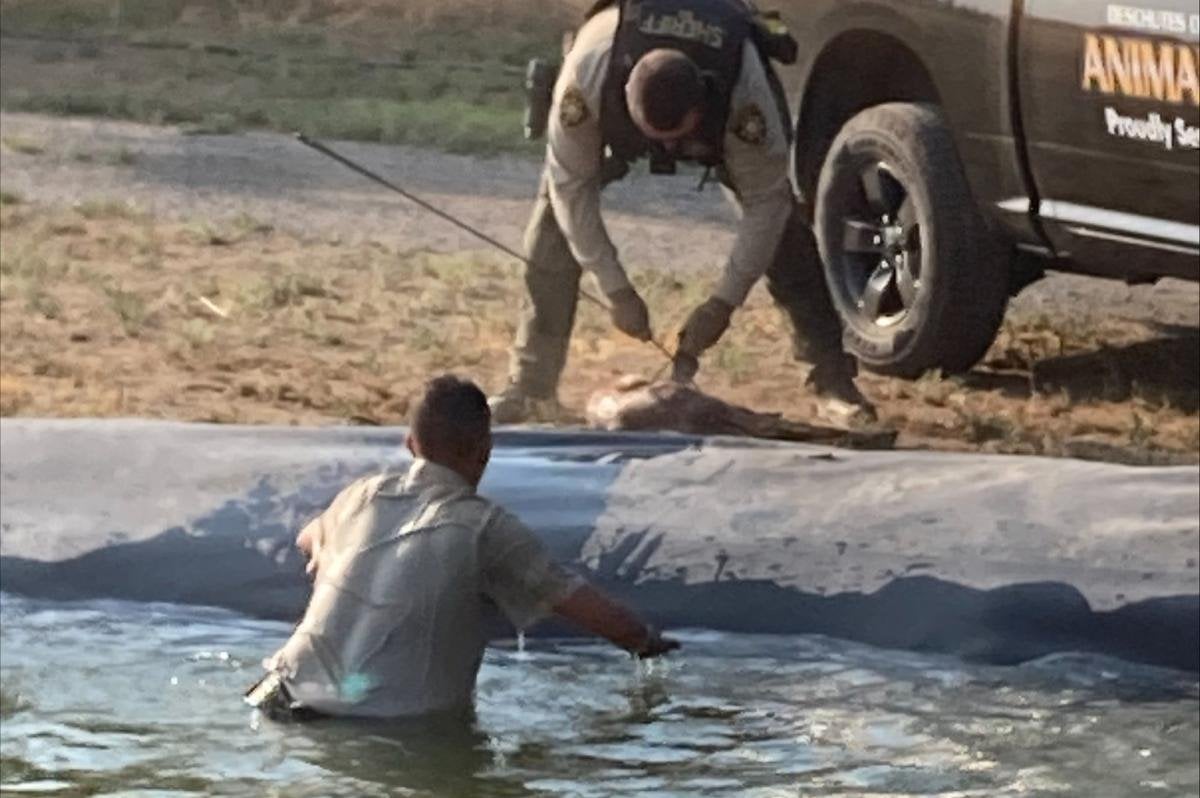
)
(572, 107)
(750, 124)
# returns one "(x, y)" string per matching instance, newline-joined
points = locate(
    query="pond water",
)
(117, 698)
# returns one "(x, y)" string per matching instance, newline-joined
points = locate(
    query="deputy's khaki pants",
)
(795, 281)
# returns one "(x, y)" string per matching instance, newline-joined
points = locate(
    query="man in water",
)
(406, 567)
(669, 80)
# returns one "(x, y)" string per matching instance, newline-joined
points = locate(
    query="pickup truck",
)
(952, 151)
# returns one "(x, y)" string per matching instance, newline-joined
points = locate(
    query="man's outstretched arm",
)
(527, 585)
(594, 611)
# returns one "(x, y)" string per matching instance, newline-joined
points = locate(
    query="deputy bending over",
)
(668, 80)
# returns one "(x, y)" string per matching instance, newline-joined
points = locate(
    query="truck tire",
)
(918, 280)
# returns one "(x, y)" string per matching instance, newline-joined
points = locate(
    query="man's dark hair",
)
(669, 86)
(452, 417)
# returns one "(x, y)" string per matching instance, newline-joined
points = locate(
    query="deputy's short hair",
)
(451, 417)
(664, 86)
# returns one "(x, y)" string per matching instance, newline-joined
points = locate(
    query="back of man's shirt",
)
(406, 567)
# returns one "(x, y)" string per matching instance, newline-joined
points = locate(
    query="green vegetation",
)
(130, 308)
(119, 157)
(403, 72)
(105, 209)
(23, 146)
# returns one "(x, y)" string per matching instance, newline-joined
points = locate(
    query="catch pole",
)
(436, 211)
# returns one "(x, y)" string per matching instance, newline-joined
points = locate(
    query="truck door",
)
(1109, 103)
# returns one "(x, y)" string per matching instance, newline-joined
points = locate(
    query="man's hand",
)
(704, 327)
(655, 645)
(309, 542)
(629, 314)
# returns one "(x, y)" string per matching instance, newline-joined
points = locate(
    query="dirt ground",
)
(244, 278)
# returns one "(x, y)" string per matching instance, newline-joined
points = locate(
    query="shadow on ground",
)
(1164, 370)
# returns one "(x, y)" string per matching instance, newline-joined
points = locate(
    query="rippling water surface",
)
(114, 698)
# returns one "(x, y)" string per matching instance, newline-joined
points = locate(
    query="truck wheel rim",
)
(881, 247)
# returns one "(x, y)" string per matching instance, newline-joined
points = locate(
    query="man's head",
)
(665, 94)
(452, 426)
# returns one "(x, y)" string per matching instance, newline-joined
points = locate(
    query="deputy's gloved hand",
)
(684, 368)
(704, 327)
(629, 314)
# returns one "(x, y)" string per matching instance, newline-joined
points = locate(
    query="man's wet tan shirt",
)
(406, 569)
(755, 161)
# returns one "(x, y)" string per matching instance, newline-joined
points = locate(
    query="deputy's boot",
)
(833, 381)
(514, 405)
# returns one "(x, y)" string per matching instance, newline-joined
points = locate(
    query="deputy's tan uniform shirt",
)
(755, 155)
(406, 565)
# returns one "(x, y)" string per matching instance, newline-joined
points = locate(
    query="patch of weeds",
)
(1165, 398)
(245, 224)
(30, 263)
(198, 333)
(88, 51)
(396, 279)
(53, 368)
(307, 285)
(119, 157)
(209, 234)
(148, 249)
(10, 198)
(130, 309)
(979, 428)
(933, 388)
(90, 276)
(63, 227)
(321, 334)
(734, 361)
(49, 54)
(106, 209)
(23, 145)
(1141, 433)
(369, 361)
(215, 124)
(12, 403)
(1058, 403)
(424, 339)
(276, 292)
(42, 303)
(221, 235)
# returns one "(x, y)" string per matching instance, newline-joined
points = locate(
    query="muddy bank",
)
(993, 558)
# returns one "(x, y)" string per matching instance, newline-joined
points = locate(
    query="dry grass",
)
(367, 17)
(447, 75)
(118, 157)
(105, 311)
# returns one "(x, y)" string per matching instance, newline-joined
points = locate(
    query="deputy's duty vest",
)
(710, 32)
